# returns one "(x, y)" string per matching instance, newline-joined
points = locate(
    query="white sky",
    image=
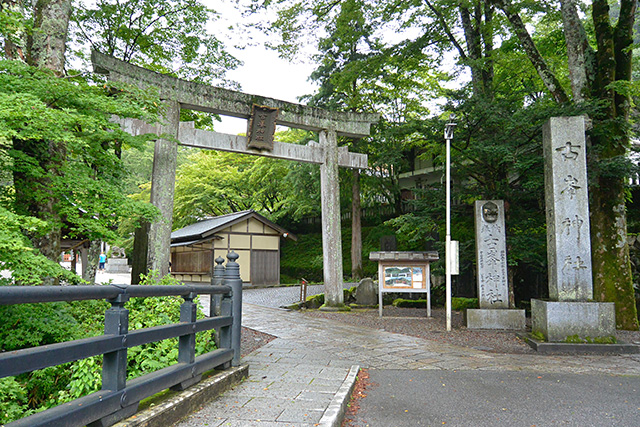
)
(263, 72)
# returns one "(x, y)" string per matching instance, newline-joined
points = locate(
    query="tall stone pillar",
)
(570, 311)
(567, 201)
(493, 282)
(162, 190)
(331, 234)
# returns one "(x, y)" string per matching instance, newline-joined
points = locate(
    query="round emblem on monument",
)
(490, 212)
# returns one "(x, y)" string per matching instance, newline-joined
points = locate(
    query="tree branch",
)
(447, 30)
(605, 55)
(548, 78)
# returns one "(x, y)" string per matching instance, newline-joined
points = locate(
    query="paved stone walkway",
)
(295, 377)
(281, 296)
(378, 349)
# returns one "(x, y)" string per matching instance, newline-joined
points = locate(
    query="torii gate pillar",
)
(331, 233)
(165, 157)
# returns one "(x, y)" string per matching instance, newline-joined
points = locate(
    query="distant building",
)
(253, 237)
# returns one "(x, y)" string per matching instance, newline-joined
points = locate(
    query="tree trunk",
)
(47, 43)
(356, 228)
(13, 46)
(139, 256)
(577, 47)
(612, 277)
(478, 33)
(474, 49)
(93, 255)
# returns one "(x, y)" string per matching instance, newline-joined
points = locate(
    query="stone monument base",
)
(491, 318)
(558, 320)
(117, 265)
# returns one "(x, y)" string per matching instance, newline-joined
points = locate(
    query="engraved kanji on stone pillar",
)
(567, 204)
(491, 252)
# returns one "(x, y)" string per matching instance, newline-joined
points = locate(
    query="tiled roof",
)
(202, 229)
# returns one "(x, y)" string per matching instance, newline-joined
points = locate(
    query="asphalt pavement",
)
(481, 398)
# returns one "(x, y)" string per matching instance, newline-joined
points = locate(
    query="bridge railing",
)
(118, 397)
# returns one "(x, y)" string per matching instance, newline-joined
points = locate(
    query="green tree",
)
(165, 36)
(59, 145)
(215, 183)
(600, 74)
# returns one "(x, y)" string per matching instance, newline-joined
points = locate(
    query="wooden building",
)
(253, 237)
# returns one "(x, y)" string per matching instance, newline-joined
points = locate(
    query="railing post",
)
(216, 280)
(187, 343)
(232, 278)
(224, 336)
(114, 364)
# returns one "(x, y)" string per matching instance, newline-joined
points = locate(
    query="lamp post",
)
(448, 136)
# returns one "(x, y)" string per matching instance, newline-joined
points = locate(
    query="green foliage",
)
(216, 183)
(32, 325)
(409, 303)
(574, 339)
(13, 400)
(80, 174)
(577, 339)
(168, 37)
(26, 265)
(537, 335)
(459, 304)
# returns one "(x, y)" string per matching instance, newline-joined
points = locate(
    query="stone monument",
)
(569, 311)
(366, 292)
(492, 277)
(117, 262)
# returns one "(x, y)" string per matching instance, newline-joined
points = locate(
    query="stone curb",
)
(334, 414)
(559, 348)
(186, 402)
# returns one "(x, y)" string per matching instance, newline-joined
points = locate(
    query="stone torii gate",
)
(178, 94)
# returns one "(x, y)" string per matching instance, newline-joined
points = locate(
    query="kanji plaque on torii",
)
(262, 127)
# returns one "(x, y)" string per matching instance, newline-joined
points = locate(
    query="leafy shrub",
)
(13, 400)
(31, 325)
(410, 303)
(463, 303)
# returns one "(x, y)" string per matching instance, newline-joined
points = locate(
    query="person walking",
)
(101, 261)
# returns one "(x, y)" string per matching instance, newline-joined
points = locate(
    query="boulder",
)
(366, 292)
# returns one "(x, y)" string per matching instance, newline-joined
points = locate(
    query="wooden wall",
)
(257, 244)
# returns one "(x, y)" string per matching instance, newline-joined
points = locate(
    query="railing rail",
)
(119, 398)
